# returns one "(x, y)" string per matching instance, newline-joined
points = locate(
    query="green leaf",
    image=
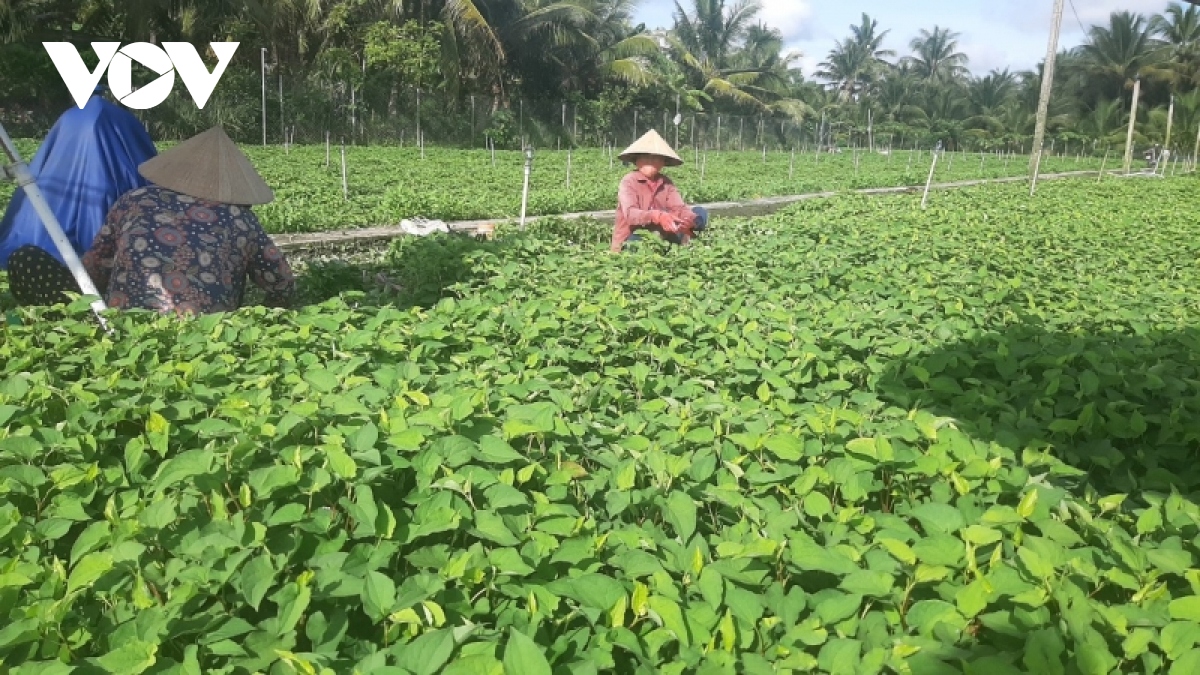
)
(186, 465)
(941, 518)
(491, 526)
(267, 480)
(840, 656)
(321, 379)
(672, 618)
(1185, 609)
(817, 505)
(89, 569)
(785, 446)
(1044, 651)
(378, 595)
(1188, 664)
(1178, 637)
(256, 579)
(837, 607)
(523, 656)
(712, 587)
(865, 582)
(427, 654)
(495, 450)
(597, 591)
(925, 615)
(134, 656)
(293, 601)
(681, 513)
(89, 540)
(1093, 660)
(980, 535)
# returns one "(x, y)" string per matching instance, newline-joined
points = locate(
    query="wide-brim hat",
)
(651, 144)
(209, 166)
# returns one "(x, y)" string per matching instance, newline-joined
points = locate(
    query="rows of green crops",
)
(852, 438)
(387, 185)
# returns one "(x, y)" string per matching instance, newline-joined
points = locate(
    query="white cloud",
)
(791, 17)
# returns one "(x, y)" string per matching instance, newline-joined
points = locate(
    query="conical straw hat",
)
(651, 144)
(209, 166)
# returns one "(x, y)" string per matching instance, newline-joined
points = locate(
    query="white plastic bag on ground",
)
(420, 227)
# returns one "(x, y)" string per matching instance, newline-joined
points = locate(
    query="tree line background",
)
(581, 72)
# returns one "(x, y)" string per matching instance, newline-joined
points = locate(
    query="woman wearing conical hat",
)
(187, 243)
(648, 200)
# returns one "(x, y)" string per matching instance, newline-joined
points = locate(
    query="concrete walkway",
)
(757, 207)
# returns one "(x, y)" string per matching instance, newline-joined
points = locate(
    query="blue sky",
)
(995, 33)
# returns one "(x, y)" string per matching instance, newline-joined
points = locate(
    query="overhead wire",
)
(1077, 19)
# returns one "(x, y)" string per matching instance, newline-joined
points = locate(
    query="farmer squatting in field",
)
(183, 244)
(649, 200)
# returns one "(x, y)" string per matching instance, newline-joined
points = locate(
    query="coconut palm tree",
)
(848, 67)
(712, 30)
(936, 56)
(1116, 55)
(1179, 28)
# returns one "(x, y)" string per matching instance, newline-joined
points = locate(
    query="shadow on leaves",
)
(1122, 407)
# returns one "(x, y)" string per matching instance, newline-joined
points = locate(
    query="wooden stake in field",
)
(568, 168)
(1137, 90)
(326, 149)
(703, 165)
(792, 165)
(929, 181)
(1196, 150)
(525, 189)
(345, 183)
(1103, 163)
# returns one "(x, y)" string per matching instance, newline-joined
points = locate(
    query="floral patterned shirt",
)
(165, 251)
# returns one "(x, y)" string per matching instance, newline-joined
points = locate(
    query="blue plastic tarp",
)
(86, 163)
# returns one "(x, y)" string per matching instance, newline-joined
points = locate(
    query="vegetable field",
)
(387, 185)
(851, 438)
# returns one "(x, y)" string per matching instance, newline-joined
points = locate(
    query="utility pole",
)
(1137, 91)
(1039, 134)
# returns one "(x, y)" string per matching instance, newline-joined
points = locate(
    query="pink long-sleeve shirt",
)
(639, 199)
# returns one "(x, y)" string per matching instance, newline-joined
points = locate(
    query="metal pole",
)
(25, 181)
(525, 190)
(264, 96)
(1039, 134)
(1137, 91)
